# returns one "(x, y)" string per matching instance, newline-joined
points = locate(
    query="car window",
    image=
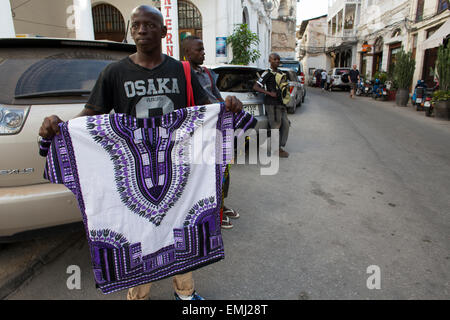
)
(291, 76)
(340, 72)
(292, 65)
(36, 71)
(236, 80)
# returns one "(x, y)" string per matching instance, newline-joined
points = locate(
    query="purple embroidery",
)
(148, 180)
(150, 170)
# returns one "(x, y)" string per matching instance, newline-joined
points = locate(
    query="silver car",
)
(238, 81)
(40, 77)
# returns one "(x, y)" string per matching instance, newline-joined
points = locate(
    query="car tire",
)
(291, 110)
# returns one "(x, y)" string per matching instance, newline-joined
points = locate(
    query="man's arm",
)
(258, 88)
(232, 103)
(50, 127)
(259, 85)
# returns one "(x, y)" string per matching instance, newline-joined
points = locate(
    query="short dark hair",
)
(274, 55)
(186, 41)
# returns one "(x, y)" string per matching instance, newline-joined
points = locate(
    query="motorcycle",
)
(368, 88)
(420, 98)
(379, 90)
(360, 87)
(428, 103)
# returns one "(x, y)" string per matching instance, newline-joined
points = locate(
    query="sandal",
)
(231, 213)
(226, 223)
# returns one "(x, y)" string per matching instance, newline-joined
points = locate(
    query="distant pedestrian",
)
(276, 110)
(354, 78)
(329, 82)
(323, 82)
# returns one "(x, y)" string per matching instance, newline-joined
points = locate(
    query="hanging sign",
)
(169, 10)
(221, 46)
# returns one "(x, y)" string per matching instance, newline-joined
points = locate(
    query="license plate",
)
(427, 104)
(252, 109)
(418, 100)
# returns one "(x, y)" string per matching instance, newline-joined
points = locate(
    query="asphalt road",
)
(367, 184)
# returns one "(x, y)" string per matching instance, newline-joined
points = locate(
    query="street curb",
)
(17, 279)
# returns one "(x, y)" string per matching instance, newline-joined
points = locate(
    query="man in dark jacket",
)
(276, 111)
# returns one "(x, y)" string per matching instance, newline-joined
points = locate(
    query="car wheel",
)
(291, 110)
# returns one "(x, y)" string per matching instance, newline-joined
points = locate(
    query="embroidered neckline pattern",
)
(147, 179)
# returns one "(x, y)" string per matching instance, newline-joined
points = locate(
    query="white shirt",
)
(324, 75)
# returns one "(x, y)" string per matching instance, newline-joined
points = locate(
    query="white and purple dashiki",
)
(149, 212)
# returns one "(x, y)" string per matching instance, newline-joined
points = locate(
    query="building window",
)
(108, 23)
(188, 16)
(442, 5)
(414, 46)
(245, 18)
(419, 12)
(396, 33)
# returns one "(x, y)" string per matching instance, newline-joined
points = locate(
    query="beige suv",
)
(40, 77)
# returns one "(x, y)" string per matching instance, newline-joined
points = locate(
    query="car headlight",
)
(12, 119)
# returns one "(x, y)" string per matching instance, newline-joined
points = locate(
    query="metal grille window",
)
(419, 13)
(188, 16)
(107, 19)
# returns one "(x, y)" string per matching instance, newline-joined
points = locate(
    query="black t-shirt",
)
(268, 79)
(354, 75)
(126, 87)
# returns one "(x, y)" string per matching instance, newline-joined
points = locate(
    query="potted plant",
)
(441, 97)
(241, 42)
(403, 75)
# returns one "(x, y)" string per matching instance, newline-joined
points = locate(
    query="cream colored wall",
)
(44, 18)
(420, 28)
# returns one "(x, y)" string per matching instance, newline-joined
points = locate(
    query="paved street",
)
(366, 184)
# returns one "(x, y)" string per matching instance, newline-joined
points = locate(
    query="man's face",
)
(274, 61)
(196, 52)
(147, 30)
(354, 67)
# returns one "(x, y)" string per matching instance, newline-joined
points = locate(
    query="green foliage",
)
(441, 95)
(383, 76)
(443, 68)
(404, 70)
(242, 41)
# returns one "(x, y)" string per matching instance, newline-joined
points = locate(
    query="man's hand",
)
(233, 104)
(49, 127)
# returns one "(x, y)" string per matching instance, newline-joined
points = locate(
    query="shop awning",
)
(438, 37)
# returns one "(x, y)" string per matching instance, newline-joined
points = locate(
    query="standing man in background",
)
(276, 111)
(354, 78)
(194, 52)
(324, 76)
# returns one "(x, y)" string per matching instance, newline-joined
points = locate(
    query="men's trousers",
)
(278, 119)
(183, 284)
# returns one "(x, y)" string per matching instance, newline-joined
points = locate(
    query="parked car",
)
(296, 66)
(40, 77)
(239, 81)
(296, 89)
(337, 81)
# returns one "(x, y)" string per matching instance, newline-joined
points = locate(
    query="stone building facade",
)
(212, 20)
(284, 23)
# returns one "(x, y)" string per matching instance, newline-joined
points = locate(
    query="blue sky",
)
(307, 9)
